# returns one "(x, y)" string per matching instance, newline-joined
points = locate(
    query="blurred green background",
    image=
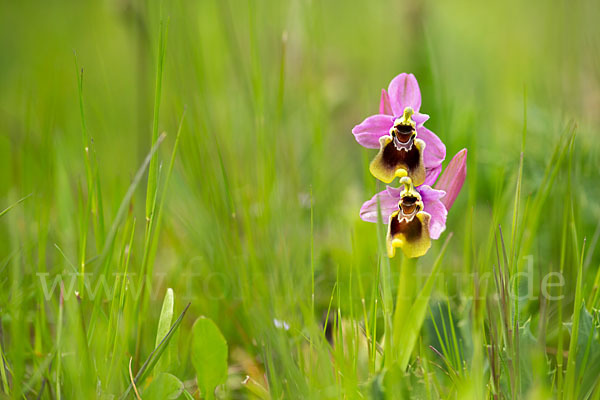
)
(268, 179)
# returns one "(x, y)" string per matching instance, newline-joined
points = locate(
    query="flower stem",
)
(407, 286)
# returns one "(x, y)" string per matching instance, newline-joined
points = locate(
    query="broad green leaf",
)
(165, 386)
(209, 356)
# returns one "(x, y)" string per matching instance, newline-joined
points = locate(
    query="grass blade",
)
(7, 209)
(570, 386)
(152, 174)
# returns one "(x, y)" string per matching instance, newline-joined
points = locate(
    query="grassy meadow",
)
(180, 194)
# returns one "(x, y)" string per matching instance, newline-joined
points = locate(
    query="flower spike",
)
(415, 212)
(400, 152)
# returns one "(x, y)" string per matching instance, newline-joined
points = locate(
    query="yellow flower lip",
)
(400, 152)
(408, 226)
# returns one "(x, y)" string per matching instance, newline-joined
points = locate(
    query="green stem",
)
(407, 286)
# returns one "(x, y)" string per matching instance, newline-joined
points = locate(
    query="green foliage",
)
(247, 208)
(166, 315)
(163, 387)
(407, 329)
(209, 356)
(164, 324)
(587, 363)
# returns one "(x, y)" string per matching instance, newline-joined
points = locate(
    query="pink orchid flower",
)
(417, 214)
(407, 148)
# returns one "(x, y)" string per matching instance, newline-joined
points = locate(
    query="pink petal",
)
(394, 192)
(420, 118)
(453, 177)
(431, 174)
(384, 104)
(434, 207)
(388, 202)
(435, 150)
(404, 92)
(368, 132)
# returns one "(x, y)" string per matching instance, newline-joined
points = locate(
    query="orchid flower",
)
(415, 215)
(406, 147)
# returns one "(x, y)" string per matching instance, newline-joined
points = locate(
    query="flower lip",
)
(395, 157)
(409, 225)
(411, 228)
(388, 203)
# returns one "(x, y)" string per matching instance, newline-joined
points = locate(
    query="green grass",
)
(247, 206)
